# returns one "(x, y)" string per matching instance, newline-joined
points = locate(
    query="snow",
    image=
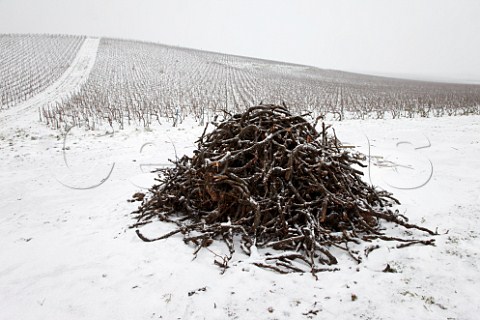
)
(67, 251)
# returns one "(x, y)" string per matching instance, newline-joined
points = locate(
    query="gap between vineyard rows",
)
(69, 83)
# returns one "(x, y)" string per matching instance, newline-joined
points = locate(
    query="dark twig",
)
(271, 178)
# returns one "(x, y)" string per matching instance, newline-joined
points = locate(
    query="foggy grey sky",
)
(427, 39)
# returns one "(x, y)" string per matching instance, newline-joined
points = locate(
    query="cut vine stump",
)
(268, 179)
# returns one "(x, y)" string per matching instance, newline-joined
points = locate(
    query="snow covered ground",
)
(67, 252)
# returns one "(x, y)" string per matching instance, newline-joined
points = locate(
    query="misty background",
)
(417, 39)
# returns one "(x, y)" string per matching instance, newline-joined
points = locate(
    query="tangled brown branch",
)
(273, 179)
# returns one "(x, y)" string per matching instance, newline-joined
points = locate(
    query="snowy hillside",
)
(67, 251)
(30, 63)
(144, 84)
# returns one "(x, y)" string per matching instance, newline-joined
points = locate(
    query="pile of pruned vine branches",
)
(271, 180)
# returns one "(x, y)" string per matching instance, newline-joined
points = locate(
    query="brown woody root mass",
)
(273, 179)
